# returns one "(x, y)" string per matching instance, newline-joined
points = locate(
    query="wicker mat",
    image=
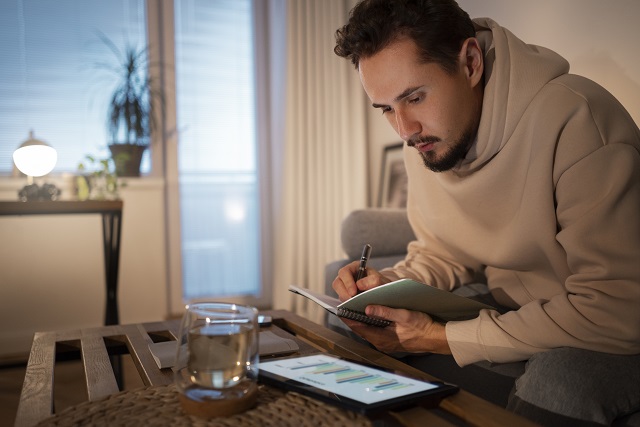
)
(159, 406)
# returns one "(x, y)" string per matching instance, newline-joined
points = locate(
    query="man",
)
(522, 172)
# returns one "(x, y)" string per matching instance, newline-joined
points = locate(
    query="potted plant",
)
(97, 179)
(130, 116)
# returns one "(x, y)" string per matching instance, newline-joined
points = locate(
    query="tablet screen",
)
(368, 386)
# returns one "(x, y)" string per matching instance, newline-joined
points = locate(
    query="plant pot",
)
(127, 158)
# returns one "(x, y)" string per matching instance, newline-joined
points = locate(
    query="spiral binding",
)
(361, 317)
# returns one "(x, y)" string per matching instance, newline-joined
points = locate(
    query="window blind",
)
(219, 194)
(49, 82)
(215, 86)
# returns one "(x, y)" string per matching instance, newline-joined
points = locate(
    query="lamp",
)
(36, 158)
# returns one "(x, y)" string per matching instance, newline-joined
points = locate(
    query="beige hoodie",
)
(547, 204)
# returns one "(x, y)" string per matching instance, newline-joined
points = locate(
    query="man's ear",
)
(472, 60)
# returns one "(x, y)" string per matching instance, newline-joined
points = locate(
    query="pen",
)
(362, 269)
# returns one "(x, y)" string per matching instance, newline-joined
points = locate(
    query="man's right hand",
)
(346, 286)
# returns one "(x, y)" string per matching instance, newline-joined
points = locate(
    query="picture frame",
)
(393, 178)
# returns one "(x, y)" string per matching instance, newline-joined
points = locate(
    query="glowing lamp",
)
(36, 158)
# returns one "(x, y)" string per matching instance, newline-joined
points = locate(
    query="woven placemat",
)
(159, 406)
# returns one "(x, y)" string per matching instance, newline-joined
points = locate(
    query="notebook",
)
(404, 293)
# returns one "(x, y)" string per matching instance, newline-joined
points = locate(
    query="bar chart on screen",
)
(349, 379)
(346, 374)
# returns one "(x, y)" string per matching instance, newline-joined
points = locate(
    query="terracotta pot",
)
(127, 158)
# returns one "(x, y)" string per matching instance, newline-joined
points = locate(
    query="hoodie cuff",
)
(464, 341)
(482, 338)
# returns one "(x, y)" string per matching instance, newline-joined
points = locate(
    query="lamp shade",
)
(35, 157)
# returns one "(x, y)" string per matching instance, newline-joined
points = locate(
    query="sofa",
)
(388, 231)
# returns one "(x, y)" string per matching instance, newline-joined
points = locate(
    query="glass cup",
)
(217, 359)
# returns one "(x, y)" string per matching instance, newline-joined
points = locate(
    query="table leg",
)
(111, 231)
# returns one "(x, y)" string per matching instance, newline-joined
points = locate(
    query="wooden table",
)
(96, 344)
(111, 212)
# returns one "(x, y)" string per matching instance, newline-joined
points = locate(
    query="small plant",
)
(97, 179)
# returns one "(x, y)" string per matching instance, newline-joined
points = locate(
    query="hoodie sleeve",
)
(598, 213)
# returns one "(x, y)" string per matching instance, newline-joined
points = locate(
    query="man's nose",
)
(406, 126)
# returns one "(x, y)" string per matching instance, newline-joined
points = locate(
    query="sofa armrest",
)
(387, 230)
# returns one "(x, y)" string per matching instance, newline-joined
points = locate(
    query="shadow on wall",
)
(602, 68)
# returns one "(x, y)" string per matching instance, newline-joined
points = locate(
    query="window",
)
(49, 81)
(48, 84)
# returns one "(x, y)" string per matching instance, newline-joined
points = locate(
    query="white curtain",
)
(317, 154)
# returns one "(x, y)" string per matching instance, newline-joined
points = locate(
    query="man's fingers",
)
(341, 289)
(396, 315)
(344, 284)
(370, 281)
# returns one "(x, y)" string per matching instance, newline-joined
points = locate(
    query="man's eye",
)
(385, 110)
(415, 100)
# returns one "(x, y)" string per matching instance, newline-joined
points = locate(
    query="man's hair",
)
(438, 27)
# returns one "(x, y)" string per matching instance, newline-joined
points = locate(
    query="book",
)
(404, 293)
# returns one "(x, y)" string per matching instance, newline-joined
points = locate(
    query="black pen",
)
(362, 269)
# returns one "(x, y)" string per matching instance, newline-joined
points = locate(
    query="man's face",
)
(435, 112)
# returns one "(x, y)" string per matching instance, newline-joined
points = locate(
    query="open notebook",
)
(404, 293)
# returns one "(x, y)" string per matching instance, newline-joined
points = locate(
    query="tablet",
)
(351, 385)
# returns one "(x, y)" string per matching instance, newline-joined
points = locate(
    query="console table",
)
(111, 212)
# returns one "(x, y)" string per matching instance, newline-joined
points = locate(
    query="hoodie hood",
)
(514, 72)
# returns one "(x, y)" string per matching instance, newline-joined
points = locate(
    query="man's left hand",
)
(411, 331)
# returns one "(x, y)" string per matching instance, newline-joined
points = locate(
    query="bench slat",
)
(36, 399)
(98, 371)
(138, 342)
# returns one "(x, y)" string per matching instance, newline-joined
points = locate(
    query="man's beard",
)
(456, 152)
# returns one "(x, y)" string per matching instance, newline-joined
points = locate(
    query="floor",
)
(69, 387)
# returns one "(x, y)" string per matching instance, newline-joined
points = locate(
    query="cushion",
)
(387, 230)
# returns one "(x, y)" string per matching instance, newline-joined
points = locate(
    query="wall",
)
(52, 268)
(598, 38)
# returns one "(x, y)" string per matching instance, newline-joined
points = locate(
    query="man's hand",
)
(346, 286)
(411, 331)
